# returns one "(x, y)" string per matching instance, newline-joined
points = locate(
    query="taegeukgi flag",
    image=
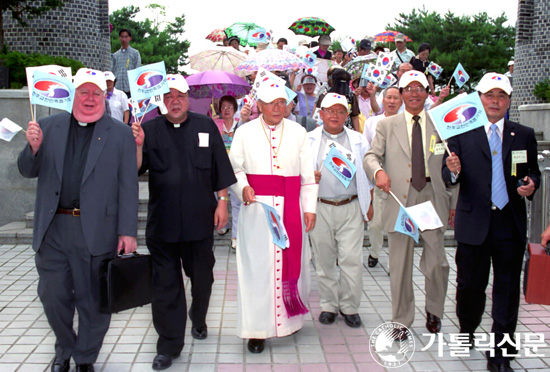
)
(434, 69)
(8, 129)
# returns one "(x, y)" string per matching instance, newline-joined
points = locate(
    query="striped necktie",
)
(499, 195)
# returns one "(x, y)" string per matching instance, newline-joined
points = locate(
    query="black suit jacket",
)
(109, 188)
(473, 210)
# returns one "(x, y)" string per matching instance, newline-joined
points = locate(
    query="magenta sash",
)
(289, 188)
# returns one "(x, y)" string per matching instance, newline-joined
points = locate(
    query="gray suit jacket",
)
(109, 189)
(390, 150)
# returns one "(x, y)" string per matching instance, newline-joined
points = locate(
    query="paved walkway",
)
(26, 341)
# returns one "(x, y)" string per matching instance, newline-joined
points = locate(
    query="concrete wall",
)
(536, 116)
(17, 194)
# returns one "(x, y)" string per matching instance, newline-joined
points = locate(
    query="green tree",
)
(156, 40)
(23, 10)
(480, 43)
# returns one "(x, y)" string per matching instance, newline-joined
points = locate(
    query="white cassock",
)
(261, 311)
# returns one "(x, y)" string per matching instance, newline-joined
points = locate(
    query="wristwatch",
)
(223, 198)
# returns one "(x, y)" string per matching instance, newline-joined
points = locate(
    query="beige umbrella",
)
(218, 58)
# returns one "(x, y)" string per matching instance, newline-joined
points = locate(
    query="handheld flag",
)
(258, 35)
(140, 108)
(459, 115)
(434, 69)
(406, 225)
(263, 78)
(309, 58)
(348, 45)
(425, 216)
(52, 91)
(8, 129)
(50, 69)
(147, 81)
(385, 61)
(342, 168)
(276, 227)
(460, 75)
(389, 80)
(375, 74)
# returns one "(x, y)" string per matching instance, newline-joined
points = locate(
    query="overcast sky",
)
(356, 19)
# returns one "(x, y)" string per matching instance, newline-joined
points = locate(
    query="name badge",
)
(519, 156)
(439, 149)
(203, 139)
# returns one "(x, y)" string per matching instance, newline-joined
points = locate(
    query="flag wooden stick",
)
(146, 107)
(32, 112)
(450, 81)
(397, 200)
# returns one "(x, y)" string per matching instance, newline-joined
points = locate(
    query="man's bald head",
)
(404, 67)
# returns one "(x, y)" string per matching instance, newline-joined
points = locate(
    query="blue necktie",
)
(499, 195)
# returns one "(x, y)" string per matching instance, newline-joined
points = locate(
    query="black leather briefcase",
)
(126, 282)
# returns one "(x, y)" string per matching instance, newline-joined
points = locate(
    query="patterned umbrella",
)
(388, 37)
(216, 84)
(217, 35)
(355, 66)
(311, 26)
(272, 60)
(248, 33)
(217, 58)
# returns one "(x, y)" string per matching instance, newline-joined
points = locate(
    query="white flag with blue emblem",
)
(406, 225)
(52, 91)
(340, 166)
(460, 75)
(278, 231)
(459, 115)
(148, 81)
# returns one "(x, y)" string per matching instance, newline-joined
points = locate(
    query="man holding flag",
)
(403, 159)
(272, 163)
(86, 211)
(187, 163)
(496, 168)
(342, 208)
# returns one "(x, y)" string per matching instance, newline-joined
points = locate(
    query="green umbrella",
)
(311, 26)
(248, 33)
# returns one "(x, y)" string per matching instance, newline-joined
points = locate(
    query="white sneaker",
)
(233, 243)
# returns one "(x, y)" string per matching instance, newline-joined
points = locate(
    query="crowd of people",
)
(273, 153)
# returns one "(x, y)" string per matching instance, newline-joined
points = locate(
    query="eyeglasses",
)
(335, 112)
(278, 103)
(414, 89)
(227, 108)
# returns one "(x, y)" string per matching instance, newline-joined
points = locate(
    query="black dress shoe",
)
(327, 317)
(199, 333)
(163, 361)
(61, 365)
(433, 323)
(400, 334)
(256, 345)
(87, 367)
(499, 367)
(352, 320)
(372, 261)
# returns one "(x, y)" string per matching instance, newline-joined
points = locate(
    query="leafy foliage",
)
(155, 43)
(542, 90)
(23, 10)
(480, 43)
(16, 62)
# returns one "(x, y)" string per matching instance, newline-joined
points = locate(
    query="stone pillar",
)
(79, 30)
(532, 55)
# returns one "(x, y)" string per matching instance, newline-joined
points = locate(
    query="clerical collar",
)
(82, 124)
(270, 127)
(334, 136)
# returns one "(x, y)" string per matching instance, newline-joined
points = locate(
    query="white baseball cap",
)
(511, 63)
(110, 76)
(332, 99)
(86, 75)
(177, 82)
(492, 80)
(413, 75)
(271, 91)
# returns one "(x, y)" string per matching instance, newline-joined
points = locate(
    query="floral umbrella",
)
(218, 58)
(216, 84)
(388, 37)
(271, 60)
(355, 66)
(311, 26)
(248, 33)
(217, 35)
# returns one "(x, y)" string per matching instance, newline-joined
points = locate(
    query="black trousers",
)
(504, 248)
(169, 304)
(69, 278)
